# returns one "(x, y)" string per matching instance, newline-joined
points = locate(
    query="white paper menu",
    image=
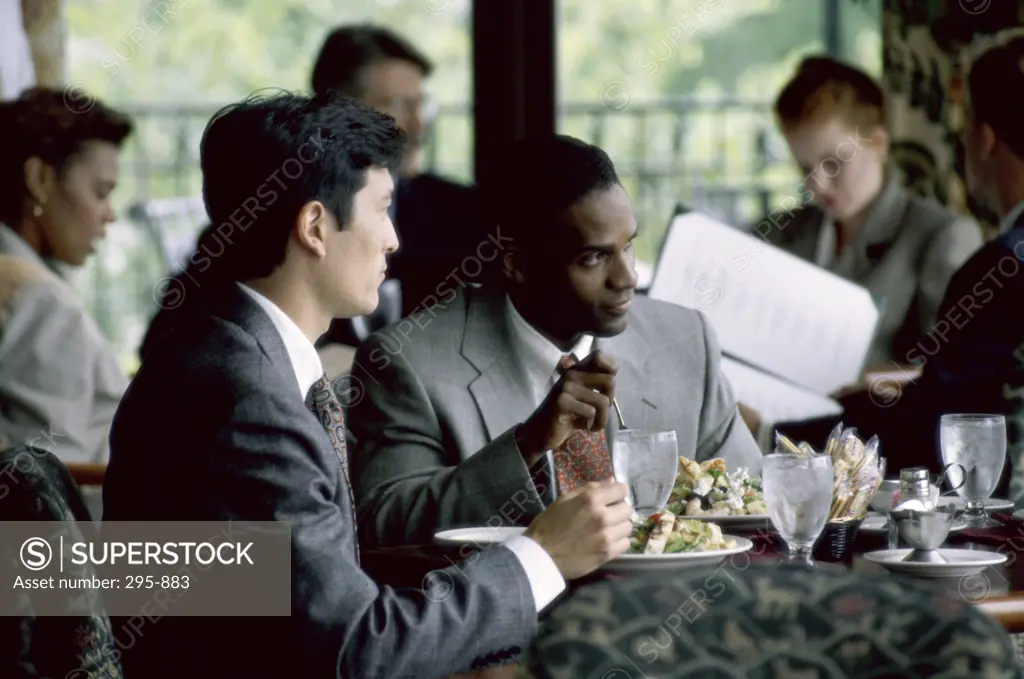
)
(774, 399)
(770, 309)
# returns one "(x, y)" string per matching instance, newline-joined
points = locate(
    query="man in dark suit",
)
(973, 358)
(438, 221)
(231, 418)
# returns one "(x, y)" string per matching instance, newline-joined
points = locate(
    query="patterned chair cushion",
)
(767, 622)
(35, 486)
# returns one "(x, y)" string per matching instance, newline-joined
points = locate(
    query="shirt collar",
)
(536, 354)
(1011, 218)
(13, 244)
(879, 225)
(303, 355)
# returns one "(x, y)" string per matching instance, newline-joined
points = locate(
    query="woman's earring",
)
(37, 211)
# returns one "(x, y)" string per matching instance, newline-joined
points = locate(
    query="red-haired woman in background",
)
(859, 221)
(60, 381)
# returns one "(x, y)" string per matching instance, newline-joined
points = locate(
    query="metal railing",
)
(718, 155)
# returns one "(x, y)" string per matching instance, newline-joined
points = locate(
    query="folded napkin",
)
(1012, 529)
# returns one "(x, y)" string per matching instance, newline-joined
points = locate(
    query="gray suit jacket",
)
(432, 432)
(905, 255)
(212, 429)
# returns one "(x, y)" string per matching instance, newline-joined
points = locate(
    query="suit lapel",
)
(877, 235)
(500, 393)
(235, 306)
(630, 351)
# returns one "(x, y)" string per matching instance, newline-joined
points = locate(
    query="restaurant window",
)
(679, 93)
(171, 64)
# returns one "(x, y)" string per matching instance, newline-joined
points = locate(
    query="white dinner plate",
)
(875, 523)
(480, 536)
(961, 562)
(484, 536)
(993, 504)
(645, 563)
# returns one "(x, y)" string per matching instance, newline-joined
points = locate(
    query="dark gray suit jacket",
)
(432, 436)
(905, 255)
(211, 429)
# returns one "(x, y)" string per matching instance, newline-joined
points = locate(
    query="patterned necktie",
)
(328, 410)
(584, 455)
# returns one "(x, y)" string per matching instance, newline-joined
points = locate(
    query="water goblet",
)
(798, 495)
(647, 462)
(976, 446)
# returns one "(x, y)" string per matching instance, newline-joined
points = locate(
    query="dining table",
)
(998, 591)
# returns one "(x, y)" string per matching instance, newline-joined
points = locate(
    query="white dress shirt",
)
(546, 581)
(536, 357)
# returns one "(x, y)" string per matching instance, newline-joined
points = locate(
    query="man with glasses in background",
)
(438, 221)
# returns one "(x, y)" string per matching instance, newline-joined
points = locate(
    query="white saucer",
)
(993, 504)
(1019, 515)
(875, 523)
(961, 562)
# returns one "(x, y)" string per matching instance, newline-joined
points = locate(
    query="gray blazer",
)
(432, 431)
(905, 255)
(212, 429)
(60, 381)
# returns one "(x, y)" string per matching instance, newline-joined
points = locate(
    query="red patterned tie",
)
(584, 455)
(328, 409)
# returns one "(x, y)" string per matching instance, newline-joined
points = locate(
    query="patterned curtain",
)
(925, 47)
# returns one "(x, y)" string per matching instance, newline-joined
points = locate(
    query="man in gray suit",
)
(461, 403)
(232, 418)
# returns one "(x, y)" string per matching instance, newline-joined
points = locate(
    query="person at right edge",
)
(978, 365)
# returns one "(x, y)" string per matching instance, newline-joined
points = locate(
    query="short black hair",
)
(264, 158)
(996, 88)
(542, 177)
(52, 125)
(350, 49)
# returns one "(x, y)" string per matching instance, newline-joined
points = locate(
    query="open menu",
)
(791, 332)
(775, 399)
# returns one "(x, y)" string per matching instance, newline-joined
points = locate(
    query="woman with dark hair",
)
(60, 381)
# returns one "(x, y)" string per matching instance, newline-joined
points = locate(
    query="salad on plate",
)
(708, 489)
(666, 533)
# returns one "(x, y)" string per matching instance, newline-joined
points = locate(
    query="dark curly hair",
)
(266, 157)
(42, 123)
